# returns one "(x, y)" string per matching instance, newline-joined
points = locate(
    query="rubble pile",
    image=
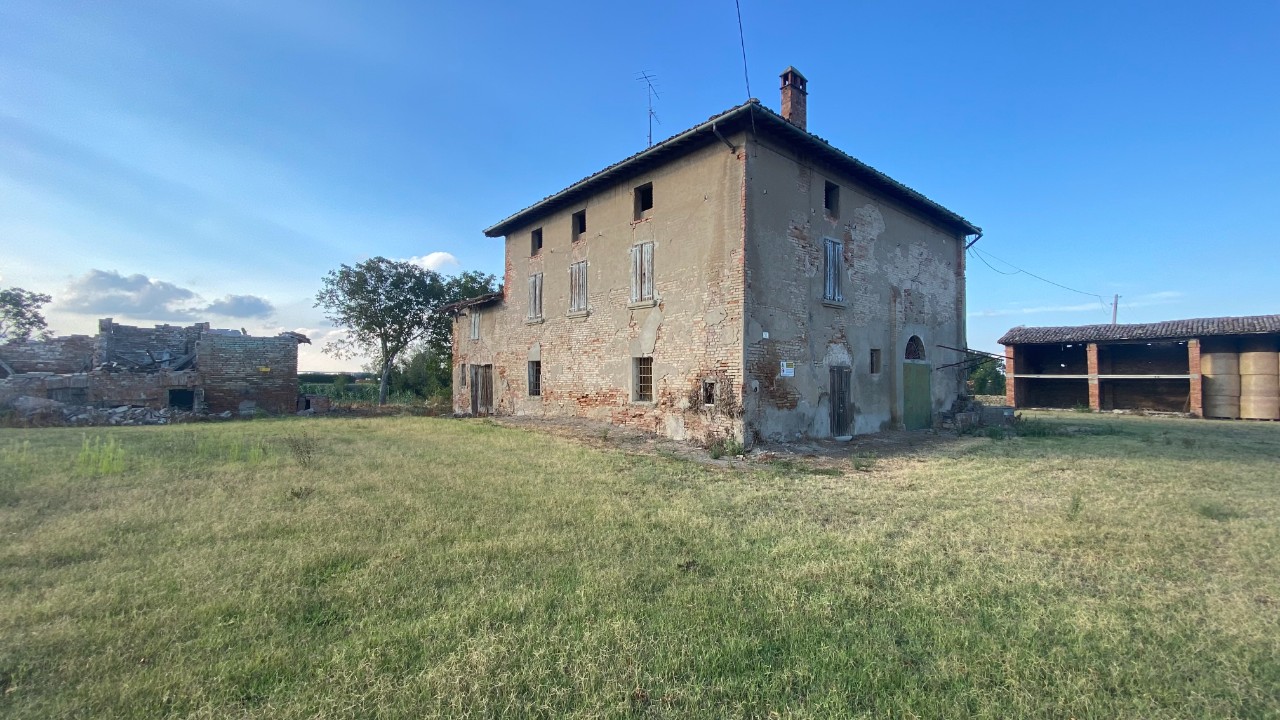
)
(28, 410)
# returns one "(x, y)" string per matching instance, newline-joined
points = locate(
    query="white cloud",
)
(435, 261)
(108, 293)
(241, 306)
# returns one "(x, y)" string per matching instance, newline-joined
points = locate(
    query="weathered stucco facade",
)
(753, 269)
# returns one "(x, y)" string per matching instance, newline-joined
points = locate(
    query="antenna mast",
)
(648, 79)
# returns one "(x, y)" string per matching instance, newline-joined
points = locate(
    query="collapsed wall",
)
(192, 368)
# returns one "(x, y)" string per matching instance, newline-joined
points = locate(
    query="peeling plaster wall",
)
(694, 330)
(903, 276)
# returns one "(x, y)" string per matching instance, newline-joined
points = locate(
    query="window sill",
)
(577, 313)
(642, 304)
(646, 403)
(534, 321)
(835, 303)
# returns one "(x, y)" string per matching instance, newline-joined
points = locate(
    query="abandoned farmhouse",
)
(1225, 367)
(743, 278)
(192, 368)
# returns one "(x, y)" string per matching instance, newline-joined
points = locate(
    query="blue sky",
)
(165, 161)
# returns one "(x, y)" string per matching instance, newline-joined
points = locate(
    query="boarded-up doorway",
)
(482, 389)
(841, 378)
(917, 393)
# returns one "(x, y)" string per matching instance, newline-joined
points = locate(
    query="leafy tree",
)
(20, 316)
(425, 369)
(385, 306)
(987, 377)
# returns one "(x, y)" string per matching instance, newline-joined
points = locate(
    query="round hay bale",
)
(1222, 407)
(1260, 408)
(1258, 363)
(1220, 364)
(1222, 385)
(1260, 386)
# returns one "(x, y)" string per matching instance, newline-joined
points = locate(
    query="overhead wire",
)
(1019, 271)
(743, 43)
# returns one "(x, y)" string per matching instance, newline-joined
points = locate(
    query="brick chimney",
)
(795, 97)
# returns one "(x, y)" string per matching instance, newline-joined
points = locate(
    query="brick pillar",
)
(1196, 400)
(1095, 391)
(1010, 384)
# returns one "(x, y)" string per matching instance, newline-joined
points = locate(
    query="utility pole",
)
(1115, 305)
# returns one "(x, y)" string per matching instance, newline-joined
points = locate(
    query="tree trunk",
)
(382, 386)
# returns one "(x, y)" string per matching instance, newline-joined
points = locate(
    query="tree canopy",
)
(387, 306)
(987, 377)
(20, 316)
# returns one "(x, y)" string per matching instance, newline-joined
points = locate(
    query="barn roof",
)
(1168, 330)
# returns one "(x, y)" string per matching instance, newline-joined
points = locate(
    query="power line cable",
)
(742, 41)
(1019, 271)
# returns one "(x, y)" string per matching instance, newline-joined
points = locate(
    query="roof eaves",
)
(506, 225)
(789, 132)
(477, 301)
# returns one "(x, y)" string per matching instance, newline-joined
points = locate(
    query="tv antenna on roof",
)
(648, 79)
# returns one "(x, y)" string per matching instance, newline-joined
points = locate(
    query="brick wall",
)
(241, 373)
(70, 354)
(140, 346)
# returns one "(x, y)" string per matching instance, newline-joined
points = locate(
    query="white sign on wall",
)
(788, 368)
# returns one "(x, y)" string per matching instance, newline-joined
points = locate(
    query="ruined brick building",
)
(743, 278)
(190, 368)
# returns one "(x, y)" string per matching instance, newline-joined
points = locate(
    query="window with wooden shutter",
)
(475, 325)
(578, 287)
(834, 270)
(642, 272)
(535, 296)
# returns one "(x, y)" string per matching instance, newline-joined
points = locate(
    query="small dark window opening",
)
(831, 199)
(182, 399)
(535, 378)
(708, 392)
(463, 381)
(535, 241)
(875, 361)
(644, 379)
(915, 348)
(579, 225)
(644, 200)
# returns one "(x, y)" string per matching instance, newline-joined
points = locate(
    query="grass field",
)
(412, 567)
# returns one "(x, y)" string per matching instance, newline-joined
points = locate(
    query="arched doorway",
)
(917, 392)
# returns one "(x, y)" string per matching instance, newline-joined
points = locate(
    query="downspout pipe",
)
(974, 241)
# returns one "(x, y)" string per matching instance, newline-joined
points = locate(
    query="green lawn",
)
(413, 567)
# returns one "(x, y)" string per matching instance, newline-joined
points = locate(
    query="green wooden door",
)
(917, 396)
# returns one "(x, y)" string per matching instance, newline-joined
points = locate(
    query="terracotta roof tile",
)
(1170, 329)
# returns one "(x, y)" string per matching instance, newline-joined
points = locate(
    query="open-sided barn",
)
(1225, 367)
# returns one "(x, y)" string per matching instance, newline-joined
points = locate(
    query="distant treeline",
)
(327, 378)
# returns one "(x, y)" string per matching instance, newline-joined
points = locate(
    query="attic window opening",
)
(643, 201)
(535, 242)
(831, 199)
(579, 225)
